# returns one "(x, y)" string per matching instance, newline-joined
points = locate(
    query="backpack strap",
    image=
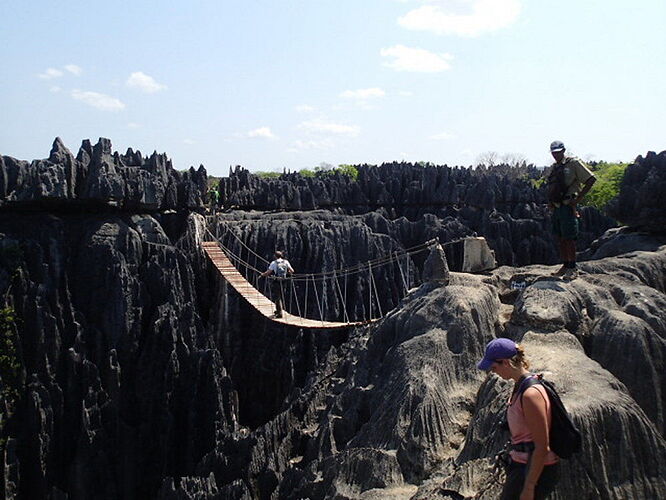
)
(526, 384)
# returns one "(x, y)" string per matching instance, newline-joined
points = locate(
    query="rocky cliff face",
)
(98, 178)
(500, 204)
(641, 200)
(140, 374)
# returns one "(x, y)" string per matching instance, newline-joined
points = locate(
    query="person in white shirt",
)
(280, 268)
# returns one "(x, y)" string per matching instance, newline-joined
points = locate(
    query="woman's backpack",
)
(565, 437)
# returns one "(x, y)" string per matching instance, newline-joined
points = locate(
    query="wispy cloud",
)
(406, 93)
(133, 125)
(317, 144)
(304, 108)
(74, 69)
(323, 126)
(363, 94)
(97, 100)
(415, 59)
(50, 74)
(442, 136)
(188, 142)
(262, 133)
(145, 83)
(55, 89)
(485, 16)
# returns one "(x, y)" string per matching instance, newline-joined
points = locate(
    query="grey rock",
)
(98, 177)
(641, 200)
(499, 204)
(435, 267)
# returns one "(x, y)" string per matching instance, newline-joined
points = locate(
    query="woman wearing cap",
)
(534, 469)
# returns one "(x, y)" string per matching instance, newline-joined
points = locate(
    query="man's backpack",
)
(282, 268)
(557, 188)
(565, 438)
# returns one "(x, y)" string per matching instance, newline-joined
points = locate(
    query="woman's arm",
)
(536, 417)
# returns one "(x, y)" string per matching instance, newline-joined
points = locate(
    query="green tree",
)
(267, 175)
(348, 170)
(609, 178)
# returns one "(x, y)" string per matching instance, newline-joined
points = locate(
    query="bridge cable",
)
(344, 305)
(314, 286)
(374, 285)
(402, 274)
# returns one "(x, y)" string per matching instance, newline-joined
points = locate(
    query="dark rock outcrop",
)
(641, 200)
(97, 178)
(435, 267)
(142, 375)
(500, 204)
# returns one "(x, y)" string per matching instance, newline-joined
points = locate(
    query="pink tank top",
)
(520, 432)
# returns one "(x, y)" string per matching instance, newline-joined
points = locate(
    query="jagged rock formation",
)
(500, 204)
(400, 188)
(641, 200)
(99, 178)
(142, 376)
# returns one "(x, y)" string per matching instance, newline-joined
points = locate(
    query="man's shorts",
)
(565, 222)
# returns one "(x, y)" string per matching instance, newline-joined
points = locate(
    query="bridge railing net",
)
(359, 292)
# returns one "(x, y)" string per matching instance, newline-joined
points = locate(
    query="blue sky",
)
(275, 84)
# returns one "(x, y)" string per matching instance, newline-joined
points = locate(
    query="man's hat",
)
(556, 146)
(496, 350)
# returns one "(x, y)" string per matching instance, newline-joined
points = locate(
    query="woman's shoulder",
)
(535, 393)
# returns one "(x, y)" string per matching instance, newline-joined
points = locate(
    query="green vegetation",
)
(536, 183)
(268, 175)
(609, 177)
(11, 257)
(349, 170)
(10, 367)
(325, 169)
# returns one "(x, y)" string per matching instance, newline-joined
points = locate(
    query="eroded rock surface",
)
(641, 199)
(500, 204)
(141, 375)
(99, 178)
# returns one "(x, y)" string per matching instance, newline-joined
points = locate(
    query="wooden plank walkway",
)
(259, 301)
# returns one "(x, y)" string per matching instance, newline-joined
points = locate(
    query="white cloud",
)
(188, 141)
(485, 16)
(320, 125)
(363, 93)
(132, 125)
(144, 83)
(262, 132)
(50, 73)
(74, 69)
(97, 100)
(415, 59)
(406, 93)
(304, 108)
(55, 89)
(311, 144)
(442, 136)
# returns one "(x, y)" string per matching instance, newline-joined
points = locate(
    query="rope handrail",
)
(239, 260)
(357, 268)
(321, 276)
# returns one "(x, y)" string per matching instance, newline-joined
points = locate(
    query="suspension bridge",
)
(303, 293)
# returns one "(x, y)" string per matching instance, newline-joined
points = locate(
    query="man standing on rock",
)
(568, 181)
(280, 267)
(213, 199)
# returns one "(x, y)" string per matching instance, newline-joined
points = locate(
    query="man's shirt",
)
(576, 174)
(273, 266)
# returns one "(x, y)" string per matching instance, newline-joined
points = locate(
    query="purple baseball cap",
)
(495, 350)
